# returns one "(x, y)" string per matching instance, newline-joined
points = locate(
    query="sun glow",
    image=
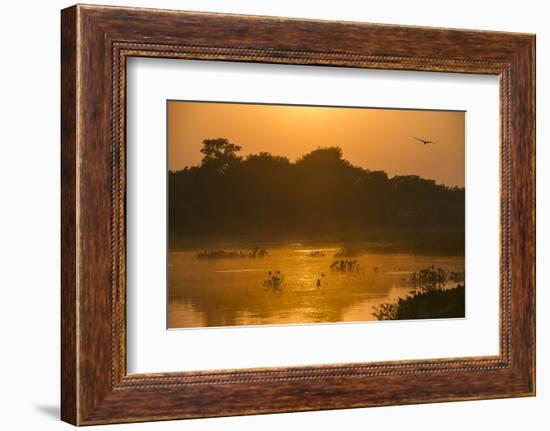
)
(376, 139)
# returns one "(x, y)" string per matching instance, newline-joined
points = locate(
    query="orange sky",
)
(377, 139)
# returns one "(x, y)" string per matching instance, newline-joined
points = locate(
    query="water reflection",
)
(233, 291)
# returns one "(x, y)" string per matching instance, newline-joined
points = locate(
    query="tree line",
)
(321, 194)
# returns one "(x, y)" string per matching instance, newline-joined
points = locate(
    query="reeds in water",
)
(344, 265)
(275, 280)
(228, 254)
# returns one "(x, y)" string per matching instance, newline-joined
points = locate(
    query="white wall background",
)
(29, 215)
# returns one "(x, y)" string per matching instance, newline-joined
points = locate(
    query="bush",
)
(435, 303)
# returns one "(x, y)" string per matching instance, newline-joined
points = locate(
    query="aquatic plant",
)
(386, 311)
(258, 252)
(223, 254)
(275, 279)
(434, 304)
(217, 254)
(456, 276)
(428, 279)
(319, 282)
(316, 253)
(344, 265)
(430, 297)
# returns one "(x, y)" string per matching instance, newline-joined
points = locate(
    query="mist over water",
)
(233, 291)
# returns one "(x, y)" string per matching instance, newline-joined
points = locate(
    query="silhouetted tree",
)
(219, 154)
(321, 194)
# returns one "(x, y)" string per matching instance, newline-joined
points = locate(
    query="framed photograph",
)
(266, 215)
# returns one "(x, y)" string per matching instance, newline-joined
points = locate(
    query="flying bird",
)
(424, 141)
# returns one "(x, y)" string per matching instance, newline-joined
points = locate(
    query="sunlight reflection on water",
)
(232, 291)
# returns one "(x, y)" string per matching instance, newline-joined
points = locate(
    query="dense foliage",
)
(320, 194)
(430, 298)
(433, 304)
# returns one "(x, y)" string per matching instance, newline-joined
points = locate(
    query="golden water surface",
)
(232, 291)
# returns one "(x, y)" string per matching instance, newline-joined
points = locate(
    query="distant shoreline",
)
(449, 242)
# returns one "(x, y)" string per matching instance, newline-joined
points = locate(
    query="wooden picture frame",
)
(95, 43)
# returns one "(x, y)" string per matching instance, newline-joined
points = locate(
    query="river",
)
(215, 292)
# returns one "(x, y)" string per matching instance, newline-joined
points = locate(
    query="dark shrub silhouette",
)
(433, 304)
(429, 299)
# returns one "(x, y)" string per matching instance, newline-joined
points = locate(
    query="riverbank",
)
(449, 242)
(433, 304)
